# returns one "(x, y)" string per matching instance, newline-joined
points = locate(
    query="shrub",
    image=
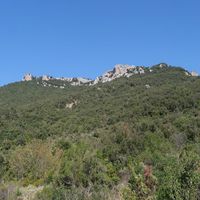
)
(33, 161)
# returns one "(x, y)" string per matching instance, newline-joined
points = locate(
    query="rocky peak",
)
(194, 74)
(120, 71)
(28, 77)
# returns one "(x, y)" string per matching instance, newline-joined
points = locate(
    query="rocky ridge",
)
(119, 70)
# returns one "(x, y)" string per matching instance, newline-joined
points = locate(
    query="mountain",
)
(132, 133)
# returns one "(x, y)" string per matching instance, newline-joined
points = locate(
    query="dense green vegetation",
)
(121, 140)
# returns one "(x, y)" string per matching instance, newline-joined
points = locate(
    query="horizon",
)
(85, 39)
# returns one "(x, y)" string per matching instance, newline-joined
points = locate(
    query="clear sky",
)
(87, 37)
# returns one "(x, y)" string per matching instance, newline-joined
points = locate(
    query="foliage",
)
(151, 134)
(33, 162)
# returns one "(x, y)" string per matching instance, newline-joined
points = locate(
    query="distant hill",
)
(133, 133)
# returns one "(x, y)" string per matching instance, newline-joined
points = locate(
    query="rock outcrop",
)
(80, 81)
(76, 81)
(28, 77)
(120, 71)
(117, 72)
(194, 74)
(163, 65)
(72, 104)
(46, 78)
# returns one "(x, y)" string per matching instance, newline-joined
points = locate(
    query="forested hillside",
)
(135, 138)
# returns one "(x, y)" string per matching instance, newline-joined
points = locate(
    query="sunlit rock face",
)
(120, 71)
(46, 78)
(28, 77)
(194, 74)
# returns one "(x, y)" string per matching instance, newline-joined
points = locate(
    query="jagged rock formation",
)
(118, 71)
(28, 77)
(46, 78)
(80, 81)
(194, 74)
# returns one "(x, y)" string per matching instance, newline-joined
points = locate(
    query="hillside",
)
(131, 137)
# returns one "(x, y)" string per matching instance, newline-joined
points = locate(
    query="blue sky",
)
(86, 38)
